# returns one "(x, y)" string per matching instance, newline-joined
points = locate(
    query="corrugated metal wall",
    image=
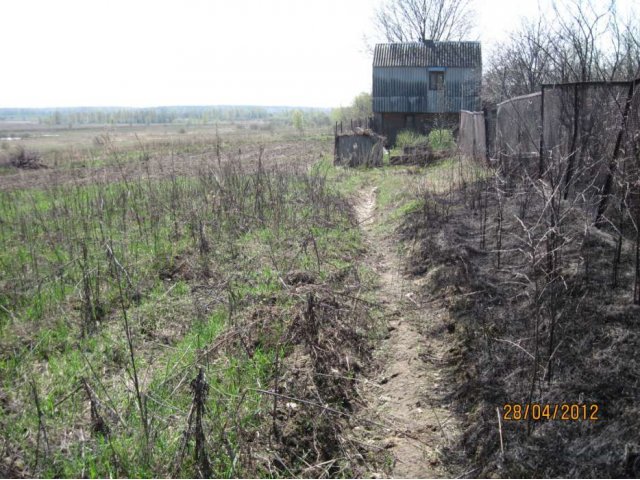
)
(406, 89)
(354, 150)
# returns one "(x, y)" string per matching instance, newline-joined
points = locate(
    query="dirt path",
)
(406, 395)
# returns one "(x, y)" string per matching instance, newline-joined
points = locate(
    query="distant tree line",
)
(162, 115)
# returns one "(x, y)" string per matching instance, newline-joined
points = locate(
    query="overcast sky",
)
(200, 52)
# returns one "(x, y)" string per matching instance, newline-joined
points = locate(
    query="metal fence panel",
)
(472, 135)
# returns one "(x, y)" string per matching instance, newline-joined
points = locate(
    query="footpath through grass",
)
(400, 189)
(114, 297)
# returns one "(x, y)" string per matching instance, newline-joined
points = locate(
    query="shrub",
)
(441, 139)
(409, 138)
(21, 158)
(101, 140)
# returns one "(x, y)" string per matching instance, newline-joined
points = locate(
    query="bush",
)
(441, 139)
(101, 140)
(409, 138)
(21, 158)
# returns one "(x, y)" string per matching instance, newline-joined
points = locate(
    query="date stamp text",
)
(550, 411)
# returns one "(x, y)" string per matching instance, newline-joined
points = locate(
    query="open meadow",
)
(226, 302)
(88, 154)
(152, 282)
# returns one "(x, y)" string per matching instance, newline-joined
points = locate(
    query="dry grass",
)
(533, 324)
(117, 292)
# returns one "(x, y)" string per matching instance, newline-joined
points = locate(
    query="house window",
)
(436, 80)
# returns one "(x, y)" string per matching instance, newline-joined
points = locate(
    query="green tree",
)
(298, 120)
(361, 107)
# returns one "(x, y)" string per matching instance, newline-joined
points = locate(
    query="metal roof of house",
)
(428, 54)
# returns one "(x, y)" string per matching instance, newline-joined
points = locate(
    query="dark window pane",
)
(436, 80)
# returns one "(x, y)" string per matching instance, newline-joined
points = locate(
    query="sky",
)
(144, 53)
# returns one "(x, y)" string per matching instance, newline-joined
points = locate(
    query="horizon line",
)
(163, 106)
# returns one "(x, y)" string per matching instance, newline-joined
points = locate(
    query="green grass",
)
(401, 189)
(437, 139)
(410, 138)
(93, 146)
(441, 139)
(396, 187)
(186, 260)
(197, 265)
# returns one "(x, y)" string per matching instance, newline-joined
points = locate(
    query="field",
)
(223, 301)
(86, 154)
(131, 265)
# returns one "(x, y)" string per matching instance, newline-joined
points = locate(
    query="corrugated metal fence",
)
(472, 136)
(576, 123)
(357, 144)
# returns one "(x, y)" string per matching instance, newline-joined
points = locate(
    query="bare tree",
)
(591, 41)
(582, 40)
(628, 65)
(421, 20)
(582, 29)
(520, 65)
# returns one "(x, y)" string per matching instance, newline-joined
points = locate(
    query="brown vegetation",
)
(543, 308)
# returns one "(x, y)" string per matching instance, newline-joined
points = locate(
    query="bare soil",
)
(406, 399)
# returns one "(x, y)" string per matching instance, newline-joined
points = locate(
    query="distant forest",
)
(155, 115)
